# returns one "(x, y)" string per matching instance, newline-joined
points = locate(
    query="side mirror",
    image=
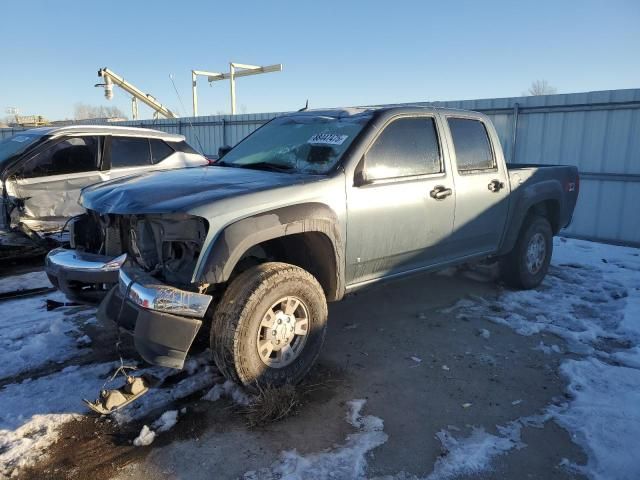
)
(223, 150)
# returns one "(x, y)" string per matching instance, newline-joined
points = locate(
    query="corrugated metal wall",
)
(599, 132)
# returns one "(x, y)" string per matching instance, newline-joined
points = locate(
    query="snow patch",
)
(468, 456)
(230, 390)
(474, 453)
(345, 461)
(25, 281)
(591, 299)
(166, 421)
(33, 410)
(163, 424)
(145, 438)
(31, 337)
(604, 416)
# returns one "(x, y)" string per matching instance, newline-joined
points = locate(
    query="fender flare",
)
(530, 195)
(238, 237)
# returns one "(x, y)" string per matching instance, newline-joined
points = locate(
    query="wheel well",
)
(311, 251)
(550, 209)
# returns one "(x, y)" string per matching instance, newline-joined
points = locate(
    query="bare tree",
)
(541, 87)
(82, 111)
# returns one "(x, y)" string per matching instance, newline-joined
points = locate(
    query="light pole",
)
(236, 70)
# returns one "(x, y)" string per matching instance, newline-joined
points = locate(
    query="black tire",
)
(514, 269)
(237, 322)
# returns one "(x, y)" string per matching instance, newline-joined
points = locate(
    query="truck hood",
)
(180, 190)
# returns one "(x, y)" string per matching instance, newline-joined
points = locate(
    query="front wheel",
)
(527, 264)
(269, 326)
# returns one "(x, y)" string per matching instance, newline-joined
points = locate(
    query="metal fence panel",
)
(599, 132)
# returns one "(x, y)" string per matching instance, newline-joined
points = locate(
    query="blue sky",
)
(335, 53)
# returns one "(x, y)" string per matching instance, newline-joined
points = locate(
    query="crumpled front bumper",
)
(82, 276)
(164, 320)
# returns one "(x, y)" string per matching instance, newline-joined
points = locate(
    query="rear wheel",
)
(527, 264)
(269, 326)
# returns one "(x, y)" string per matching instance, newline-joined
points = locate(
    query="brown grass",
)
(272, 404)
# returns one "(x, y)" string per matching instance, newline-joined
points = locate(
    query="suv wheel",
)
(527, 264)
(269, 325)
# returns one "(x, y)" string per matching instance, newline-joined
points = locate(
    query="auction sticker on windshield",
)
(327, 139)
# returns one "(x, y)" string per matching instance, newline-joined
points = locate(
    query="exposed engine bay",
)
(166, 246)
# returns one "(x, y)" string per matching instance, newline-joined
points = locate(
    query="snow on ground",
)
(30, 336)
(229, 390)
(25, 281)
(473, 454)
(145, 438)
(33, 410)
(591, 299)
(164, 423)
(346, 461)
(604, 417)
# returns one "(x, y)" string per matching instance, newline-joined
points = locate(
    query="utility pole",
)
(232, 75)
(236, 70)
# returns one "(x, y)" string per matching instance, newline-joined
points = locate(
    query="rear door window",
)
(159, 150)
(406, 147)
(71, 155)
(130, 152)
(471, 144)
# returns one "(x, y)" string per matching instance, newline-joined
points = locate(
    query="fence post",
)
(224, 132)
(514, 139)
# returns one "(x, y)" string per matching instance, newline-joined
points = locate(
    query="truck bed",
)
(526, 178)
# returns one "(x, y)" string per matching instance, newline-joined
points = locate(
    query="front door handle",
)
(495, 185)
(440, 192)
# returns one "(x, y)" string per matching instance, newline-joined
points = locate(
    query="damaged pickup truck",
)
(309, 207)
(42, 171)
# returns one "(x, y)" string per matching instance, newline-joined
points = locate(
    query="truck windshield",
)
(298, 143)
(13, 146)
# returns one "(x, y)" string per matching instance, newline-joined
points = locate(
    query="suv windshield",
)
(298, 143)
(16, 145)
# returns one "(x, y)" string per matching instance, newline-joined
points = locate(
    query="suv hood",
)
(181, 190)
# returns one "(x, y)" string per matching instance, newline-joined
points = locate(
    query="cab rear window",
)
(471, 144)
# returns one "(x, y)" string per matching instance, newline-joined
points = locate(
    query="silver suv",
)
(43, 170)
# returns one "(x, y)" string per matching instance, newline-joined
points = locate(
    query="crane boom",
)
(111, 78)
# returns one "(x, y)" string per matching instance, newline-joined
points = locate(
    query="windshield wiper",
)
(266, 166)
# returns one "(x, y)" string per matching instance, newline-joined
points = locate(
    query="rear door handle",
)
(495, 185)
(440, 192)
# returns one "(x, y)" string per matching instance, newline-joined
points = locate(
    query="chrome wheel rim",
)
(283, 332)
(536, 253)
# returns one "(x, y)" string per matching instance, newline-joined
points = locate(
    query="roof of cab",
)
(382, 109)
(106, 130)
